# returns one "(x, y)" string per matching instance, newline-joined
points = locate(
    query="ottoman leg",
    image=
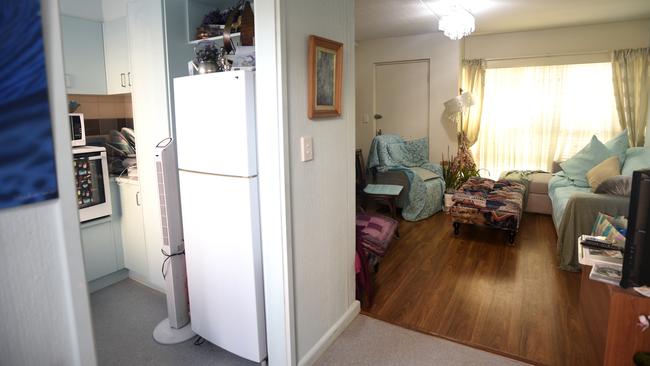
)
(511, 237)
(456, 228)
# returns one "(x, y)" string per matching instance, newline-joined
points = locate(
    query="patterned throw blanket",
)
(392, 153)
(482, 201)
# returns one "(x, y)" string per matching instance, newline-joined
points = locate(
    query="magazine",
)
(606, 272)
(589, 256)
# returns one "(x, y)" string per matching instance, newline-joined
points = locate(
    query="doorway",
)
(401, 98)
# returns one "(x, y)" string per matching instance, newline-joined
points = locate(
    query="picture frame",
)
(325, 77)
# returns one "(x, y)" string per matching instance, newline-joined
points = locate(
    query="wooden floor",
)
(478, 291)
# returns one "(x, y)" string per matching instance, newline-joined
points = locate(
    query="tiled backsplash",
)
(102, 107)
(103, 126)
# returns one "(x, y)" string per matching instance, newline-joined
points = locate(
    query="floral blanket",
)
(495, 204)
(392, 153)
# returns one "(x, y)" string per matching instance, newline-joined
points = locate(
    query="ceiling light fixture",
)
(454, 20)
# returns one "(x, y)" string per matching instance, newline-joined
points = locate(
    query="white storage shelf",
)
(218, 39)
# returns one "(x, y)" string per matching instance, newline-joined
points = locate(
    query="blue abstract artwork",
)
(27, 167)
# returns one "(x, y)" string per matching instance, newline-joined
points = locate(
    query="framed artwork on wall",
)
(325, 77)
(27, 167)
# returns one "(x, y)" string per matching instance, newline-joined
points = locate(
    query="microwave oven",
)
(77, 129)
(92, 179)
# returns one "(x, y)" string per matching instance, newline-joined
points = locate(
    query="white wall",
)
(86, 9)
(322, 190)
(43, 296)
(444, 60)
(113, 9)
(598, 38)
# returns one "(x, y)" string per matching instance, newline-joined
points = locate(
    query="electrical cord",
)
(199, 341)
(167, 258)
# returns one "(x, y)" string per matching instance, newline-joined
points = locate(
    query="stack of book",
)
(605, 258)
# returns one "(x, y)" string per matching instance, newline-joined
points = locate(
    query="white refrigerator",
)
(217, 162)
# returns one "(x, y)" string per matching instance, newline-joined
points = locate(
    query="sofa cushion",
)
(620, 185)
(636, 158)
(560, 190)
(578, 165)
(619, 145)
(609, 167)
(538, 182)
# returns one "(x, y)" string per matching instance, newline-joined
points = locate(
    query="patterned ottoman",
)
(484, 202)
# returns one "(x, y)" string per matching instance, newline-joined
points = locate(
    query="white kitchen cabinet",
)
(116, 53)
(100, 256)
(83, 54)
(132, 227)
(102, 242)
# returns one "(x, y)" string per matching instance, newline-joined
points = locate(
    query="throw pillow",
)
(608, 168)
(619, 185)
(636, 158)
(619, 144)
(578, 165)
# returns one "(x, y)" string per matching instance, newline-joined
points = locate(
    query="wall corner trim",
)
(330, 336)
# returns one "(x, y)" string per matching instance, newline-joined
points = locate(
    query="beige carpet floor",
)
(368, 341)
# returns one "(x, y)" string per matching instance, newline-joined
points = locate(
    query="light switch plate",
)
(306, 148)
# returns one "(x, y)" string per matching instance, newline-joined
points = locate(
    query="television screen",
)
(636, 260)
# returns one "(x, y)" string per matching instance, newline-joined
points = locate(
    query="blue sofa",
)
(575, 206)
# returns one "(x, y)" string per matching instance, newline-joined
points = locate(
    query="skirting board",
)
(143, 281)
(330, 336)
(108, 280)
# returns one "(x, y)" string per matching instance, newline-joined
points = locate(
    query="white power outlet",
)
(306, 148)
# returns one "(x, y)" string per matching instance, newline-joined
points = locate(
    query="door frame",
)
(374, 89)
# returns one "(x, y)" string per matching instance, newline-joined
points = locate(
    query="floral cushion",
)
(484, 202)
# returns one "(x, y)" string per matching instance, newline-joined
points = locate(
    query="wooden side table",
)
(611, 314)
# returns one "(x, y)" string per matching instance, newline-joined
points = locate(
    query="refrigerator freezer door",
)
(215, 123)
(224, 261)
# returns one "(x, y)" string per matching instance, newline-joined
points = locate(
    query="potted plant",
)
(450, 177)
(456, 170)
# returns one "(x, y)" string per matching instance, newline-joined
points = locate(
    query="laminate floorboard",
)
(475, 289)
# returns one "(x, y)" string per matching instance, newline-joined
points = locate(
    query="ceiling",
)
(391, 18)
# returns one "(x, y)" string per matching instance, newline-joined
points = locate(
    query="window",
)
(535, 115)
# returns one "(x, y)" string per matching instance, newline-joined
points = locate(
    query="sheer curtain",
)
(473, 80)
(535, 115)
(631, 69)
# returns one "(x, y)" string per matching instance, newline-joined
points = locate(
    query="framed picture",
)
(27, 161)
(325, 77)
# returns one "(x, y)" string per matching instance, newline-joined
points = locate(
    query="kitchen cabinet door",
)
(132, 226)
(116, 51)
(83, 56)
(100, 256)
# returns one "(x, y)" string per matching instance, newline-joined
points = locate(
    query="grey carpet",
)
(368, 341)
(124, 316)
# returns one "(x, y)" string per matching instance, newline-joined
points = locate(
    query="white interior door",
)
(402, 98)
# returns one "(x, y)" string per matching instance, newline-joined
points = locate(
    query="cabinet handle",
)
(122, 80)
(130, 78)
(137, 198)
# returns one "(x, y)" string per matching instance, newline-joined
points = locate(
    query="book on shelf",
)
(606, 272)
